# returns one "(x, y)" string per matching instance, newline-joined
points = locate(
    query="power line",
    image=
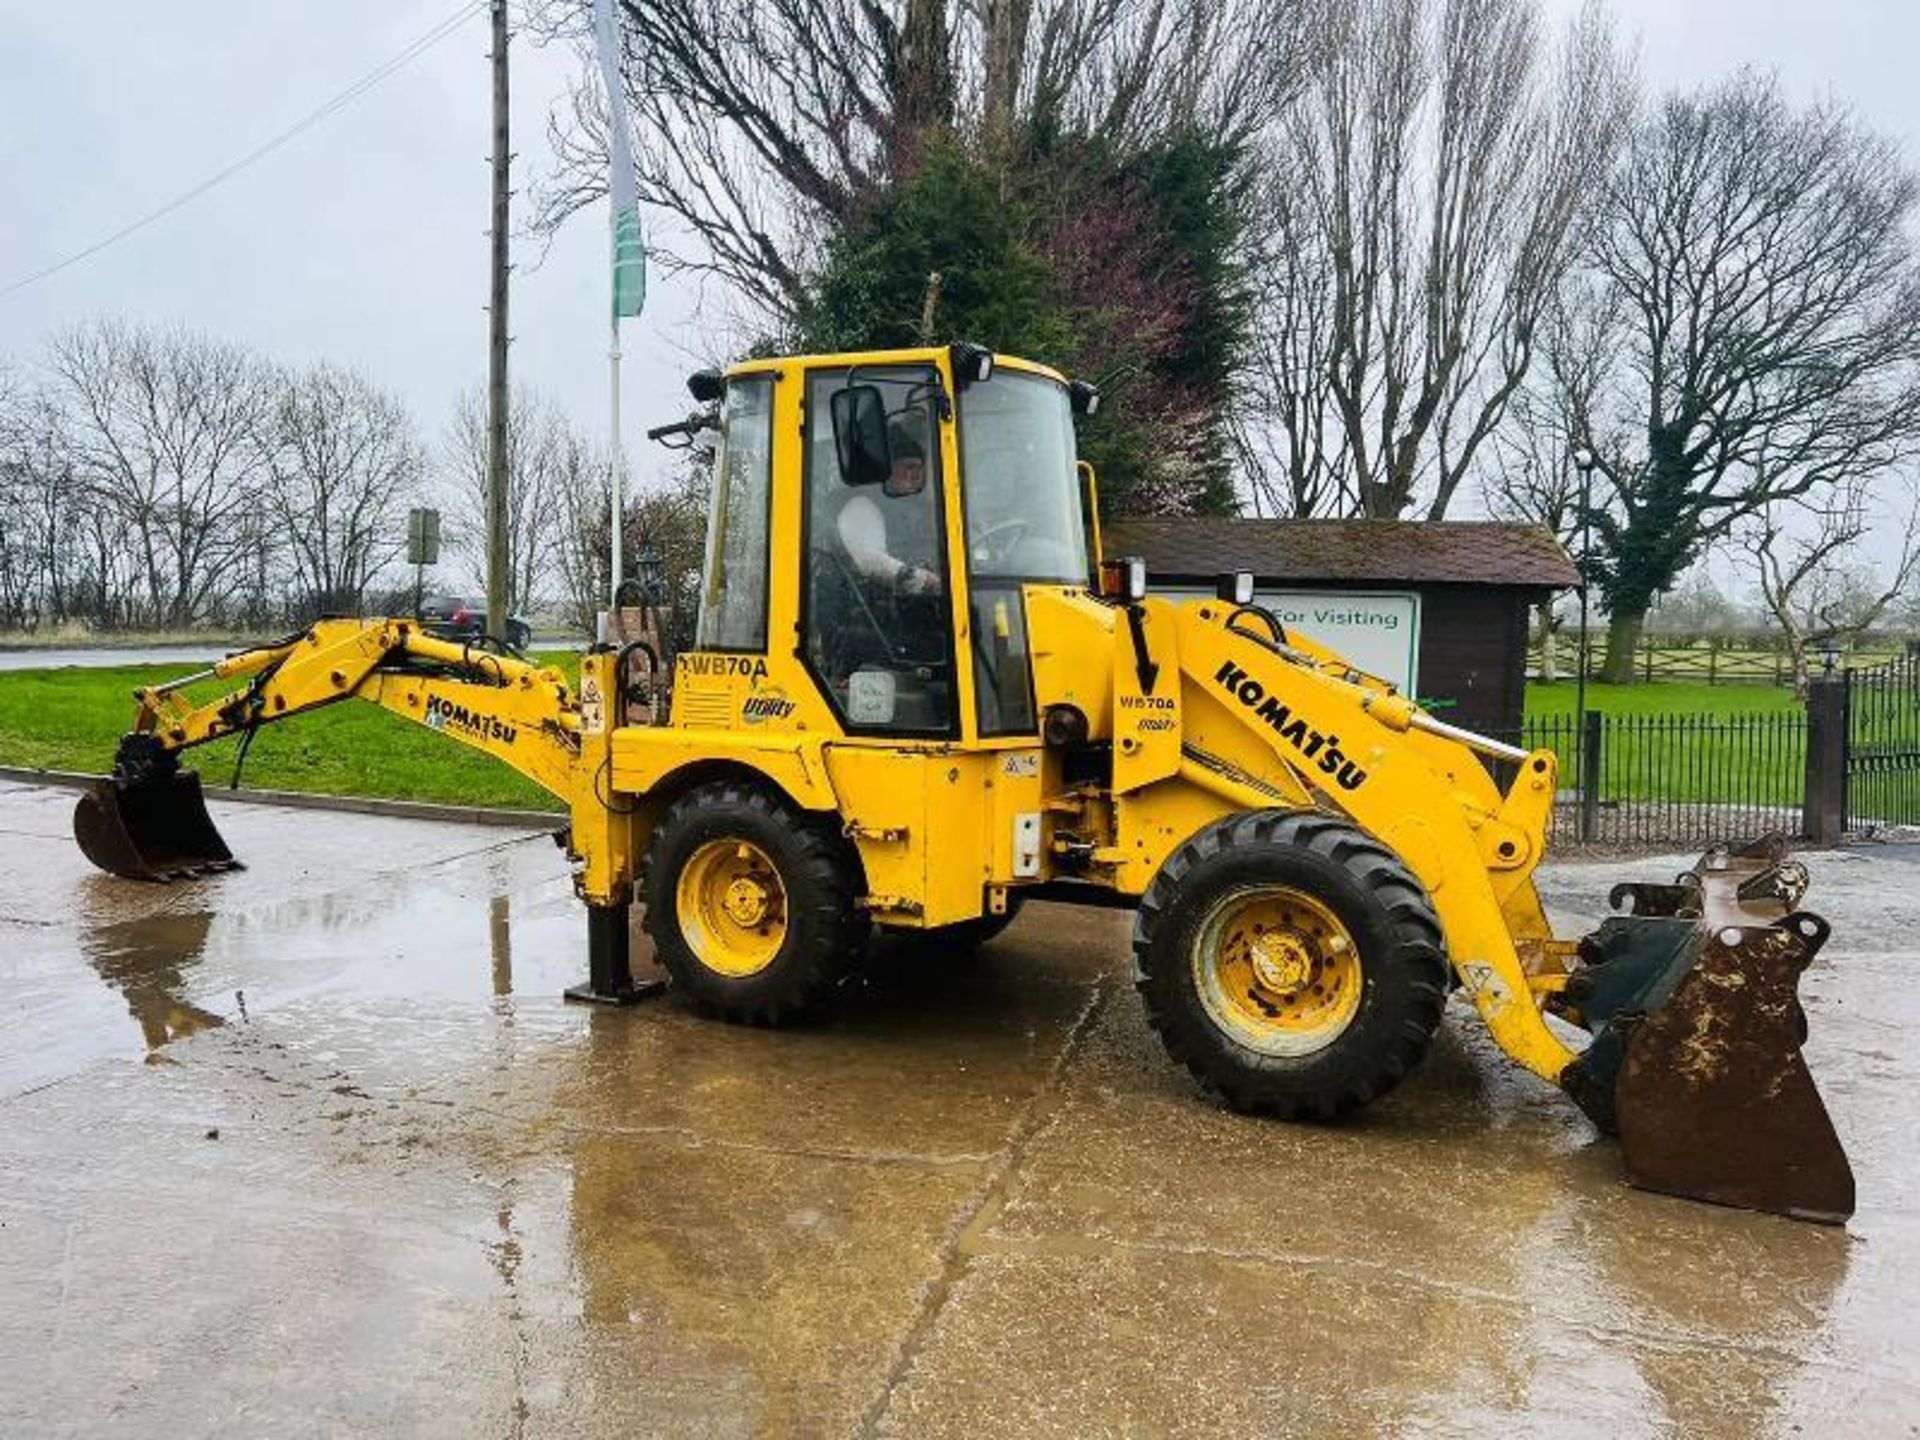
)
(353, 92)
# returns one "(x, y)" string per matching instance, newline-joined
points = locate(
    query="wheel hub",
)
(1282, 963)
(746, 901)
(1277, 969)
(732, 907)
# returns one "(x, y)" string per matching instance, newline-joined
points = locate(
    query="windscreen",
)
(1024, 519)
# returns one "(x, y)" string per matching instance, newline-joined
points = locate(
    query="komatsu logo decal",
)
(1323, 750)
(445, 715)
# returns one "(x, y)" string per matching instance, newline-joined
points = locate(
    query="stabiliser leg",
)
(609, 961)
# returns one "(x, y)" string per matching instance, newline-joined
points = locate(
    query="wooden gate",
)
(1883, 744)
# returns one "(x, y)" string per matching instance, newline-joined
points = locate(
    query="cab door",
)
(876, 625)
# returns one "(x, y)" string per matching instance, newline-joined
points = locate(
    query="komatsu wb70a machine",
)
(917, 698)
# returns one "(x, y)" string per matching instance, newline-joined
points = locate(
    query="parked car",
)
(454, 618)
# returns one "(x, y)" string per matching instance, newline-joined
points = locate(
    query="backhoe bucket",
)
(154, 827)
(1696, 1064)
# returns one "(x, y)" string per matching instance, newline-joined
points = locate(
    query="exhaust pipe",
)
(148, 820)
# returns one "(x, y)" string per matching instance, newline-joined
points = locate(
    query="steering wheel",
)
(996, 542)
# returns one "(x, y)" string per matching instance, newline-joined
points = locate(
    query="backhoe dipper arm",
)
(514, 711)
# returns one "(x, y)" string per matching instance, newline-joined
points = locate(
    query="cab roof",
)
(919, 355)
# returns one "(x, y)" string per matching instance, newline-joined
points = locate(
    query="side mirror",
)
(860, 435)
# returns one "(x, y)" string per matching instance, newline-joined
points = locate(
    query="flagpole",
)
(613, 407)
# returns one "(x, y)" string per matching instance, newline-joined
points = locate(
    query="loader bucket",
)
(1696, 1063)
(154, 827)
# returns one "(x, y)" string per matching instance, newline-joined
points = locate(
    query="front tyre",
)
(752, 904)
(1291, 962)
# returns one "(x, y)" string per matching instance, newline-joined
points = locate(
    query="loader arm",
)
(1688, 996)
(1293, 719)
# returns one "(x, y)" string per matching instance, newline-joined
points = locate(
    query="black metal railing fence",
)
(1643, 781)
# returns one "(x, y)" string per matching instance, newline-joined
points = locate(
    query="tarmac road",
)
(94, 657)
(315, 1148)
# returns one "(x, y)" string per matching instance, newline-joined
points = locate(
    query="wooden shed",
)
(1441, 607)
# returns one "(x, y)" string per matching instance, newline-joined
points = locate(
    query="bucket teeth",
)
(1692, 999)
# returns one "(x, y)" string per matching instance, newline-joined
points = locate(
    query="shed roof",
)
(1453, 552)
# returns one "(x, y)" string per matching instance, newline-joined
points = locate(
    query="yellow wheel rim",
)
(1277, 970)
(732, 907)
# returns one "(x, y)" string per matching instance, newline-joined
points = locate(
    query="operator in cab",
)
(892, 539)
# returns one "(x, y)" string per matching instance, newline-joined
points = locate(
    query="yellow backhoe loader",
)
(917, 697)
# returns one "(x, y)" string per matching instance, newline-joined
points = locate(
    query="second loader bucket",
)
(149, 820)
(1697, 1027)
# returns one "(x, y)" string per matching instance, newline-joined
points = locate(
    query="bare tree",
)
(1423, 197)
(162, 427)
(1758, 264)
(1529, 477)
(1527, 471)
(1812, 578)
(764, 125)
(584, 553)
(536, 452)
(345, 462)
(666, 519)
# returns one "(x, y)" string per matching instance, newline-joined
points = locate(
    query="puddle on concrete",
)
(975, 1198)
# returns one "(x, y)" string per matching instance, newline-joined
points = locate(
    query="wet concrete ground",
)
(315, 1148)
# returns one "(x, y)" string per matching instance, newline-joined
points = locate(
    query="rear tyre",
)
(1291, 962)
(752, 904)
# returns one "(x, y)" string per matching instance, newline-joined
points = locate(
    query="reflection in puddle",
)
(500, 943)
(148, 962)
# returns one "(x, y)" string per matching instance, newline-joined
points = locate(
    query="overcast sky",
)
(362, 240)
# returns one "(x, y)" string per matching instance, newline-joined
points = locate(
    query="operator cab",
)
(934, 486)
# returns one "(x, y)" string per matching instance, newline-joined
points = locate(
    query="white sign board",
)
(1377, 630)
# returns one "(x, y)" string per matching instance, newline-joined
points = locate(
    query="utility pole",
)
(497, 341)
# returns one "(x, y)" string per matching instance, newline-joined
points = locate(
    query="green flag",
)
(629, 246)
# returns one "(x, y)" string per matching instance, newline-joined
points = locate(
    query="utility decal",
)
(593, 711)
(1323, 750)
(754, 667)
(1161, 710)
(768, 704)
(443, 714)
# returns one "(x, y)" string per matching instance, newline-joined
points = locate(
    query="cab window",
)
(877, 630)
(733, 597)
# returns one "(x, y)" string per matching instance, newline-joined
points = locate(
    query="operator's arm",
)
(863, 531)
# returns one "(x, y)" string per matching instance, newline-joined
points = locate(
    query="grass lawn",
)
(1662, 698)
(71, 719)
(1679, 741)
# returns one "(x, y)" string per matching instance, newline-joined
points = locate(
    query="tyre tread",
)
(1414, 953)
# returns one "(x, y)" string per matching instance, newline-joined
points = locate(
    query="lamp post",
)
(650, 571)
(1584, 460)
(1829, 648)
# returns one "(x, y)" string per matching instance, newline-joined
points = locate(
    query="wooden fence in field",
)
(1701, 662)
